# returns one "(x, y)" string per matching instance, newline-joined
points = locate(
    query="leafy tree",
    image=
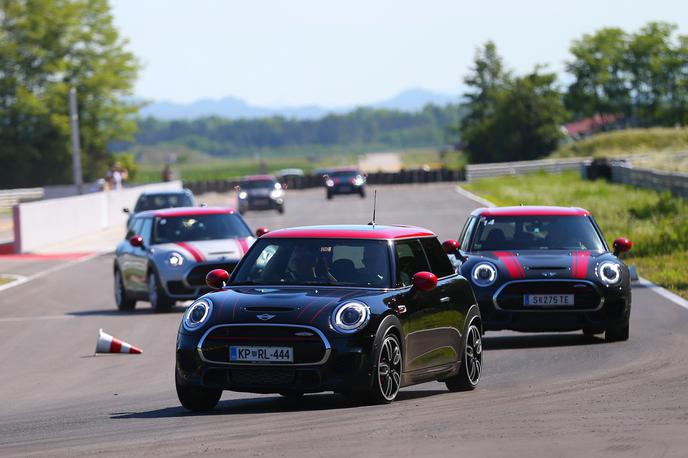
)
(46, 47)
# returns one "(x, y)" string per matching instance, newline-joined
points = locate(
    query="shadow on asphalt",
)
(538, 341)
(144, 310)
(312, 402)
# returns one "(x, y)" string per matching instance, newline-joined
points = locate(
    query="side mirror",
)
(261, 231)
(424, 281)
(622, 245)
(451, 246)
(136, 240)
(217, 278)
(125, 210)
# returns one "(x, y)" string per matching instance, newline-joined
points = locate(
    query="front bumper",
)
(597, 307)
(348, 188)
(343, 364)
(260, 203)
(188, 281)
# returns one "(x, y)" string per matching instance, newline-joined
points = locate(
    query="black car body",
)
(543, 269)
(351, 309)
(156, 200)
(260, 192)
(345, 181)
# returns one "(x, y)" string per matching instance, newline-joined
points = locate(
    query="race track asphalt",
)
(540, 395)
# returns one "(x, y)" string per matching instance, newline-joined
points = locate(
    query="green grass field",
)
(651, 148)
(657, 223)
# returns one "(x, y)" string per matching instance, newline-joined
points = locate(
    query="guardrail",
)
(314, 181)
(9, 197)
(521, 167)
(675, 182)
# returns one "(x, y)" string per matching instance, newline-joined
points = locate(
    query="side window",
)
(147, 231)
(465, 238)
(410, 259)
(439, 261)
(134, 228)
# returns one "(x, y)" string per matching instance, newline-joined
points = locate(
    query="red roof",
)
(191, 211)
(258, 177)
(531, 210)
(352, 232)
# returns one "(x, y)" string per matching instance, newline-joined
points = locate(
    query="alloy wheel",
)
(474, 355)
(389, 368)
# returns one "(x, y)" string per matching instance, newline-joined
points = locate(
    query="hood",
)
(576, 264)
(281, 305)
(210, 250)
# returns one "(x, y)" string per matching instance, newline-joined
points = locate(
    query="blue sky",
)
(334, 53)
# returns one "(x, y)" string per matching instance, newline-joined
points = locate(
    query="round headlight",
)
(484, 274)
(609, 272)
(350, 317)
(197, 314)
(329, 183)
(243, 195)
(175, 259)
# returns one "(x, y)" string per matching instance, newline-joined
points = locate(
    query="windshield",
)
(508, 233)
(344, 174)
(340, 262)
(158, 201)
(257, 184)
(199, 227)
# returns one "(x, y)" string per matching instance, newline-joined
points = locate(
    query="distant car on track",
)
(361, 310)
(260, 192)
(155, 200)
(345, 180)
(544, 269)
(167, 253)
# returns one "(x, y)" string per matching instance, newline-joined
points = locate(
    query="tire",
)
(617, 333)
(195, 398)
(123, 301)
(329, 196)
(471, 365)
(280, 209)
(362, 193)
(387, 371)
(159, 301)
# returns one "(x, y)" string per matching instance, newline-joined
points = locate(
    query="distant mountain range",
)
(235, 108)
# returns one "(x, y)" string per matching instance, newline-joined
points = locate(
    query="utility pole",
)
(76, 148)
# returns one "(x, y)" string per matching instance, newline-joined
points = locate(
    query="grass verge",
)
(657, 223)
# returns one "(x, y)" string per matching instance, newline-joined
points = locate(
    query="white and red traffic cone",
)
(109, 344)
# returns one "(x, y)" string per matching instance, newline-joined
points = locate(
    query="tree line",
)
(641, 76)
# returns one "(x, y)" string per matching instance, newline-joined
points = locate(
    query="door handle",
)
(445, 299)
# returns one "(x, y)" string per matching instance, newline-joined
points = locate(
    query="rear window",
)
(494, 233)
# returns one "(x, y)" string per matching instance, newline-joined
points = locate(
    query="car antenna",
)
(372, 223)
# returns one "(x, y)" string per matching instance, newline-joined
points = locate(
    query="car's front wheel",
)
(159, 301)
(122, 300)
(618, 332)
(196, 398)
(387, 371)
(471, 364)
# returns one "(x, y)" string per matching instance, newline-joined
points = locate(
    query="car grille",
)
(196, 277)
(510, 296)
(257, 378)
(307, 349)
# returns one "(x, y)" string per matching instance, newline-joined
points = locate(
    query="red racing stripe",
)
(244, 246)
(193, 251)
(579, 267)
(512, 264)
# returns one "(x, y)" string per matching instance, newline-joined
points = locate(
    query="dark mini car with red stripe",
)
(544, 269)
(166, 254)
(358, 310)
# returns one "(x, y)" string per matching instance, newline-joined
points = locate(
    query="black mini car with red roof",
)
(360, 310)
(544, 269)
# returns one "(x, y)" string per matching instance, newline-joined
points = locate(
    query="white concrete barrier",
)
(43, 223)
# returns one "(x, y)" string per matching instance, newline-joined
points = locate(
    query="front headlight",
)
(609, 272)
(329, 183)
(175, 259)
(358, 181)
(484, 274)
(197, 314)
(243, 195)
(350, 317)
(276, 194)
